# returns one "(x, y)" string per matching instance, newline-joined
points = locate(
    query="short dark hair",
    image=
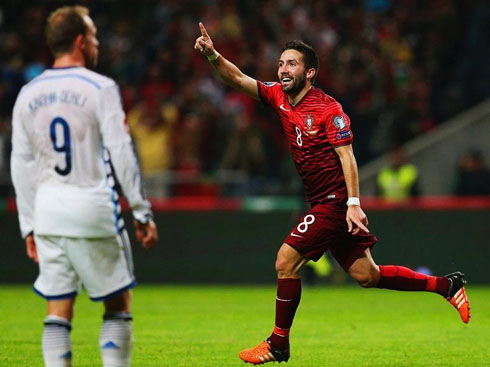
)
(309, 55)
(63, 27)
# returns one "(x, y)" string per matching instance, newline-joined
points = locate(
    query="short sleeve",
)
(268, 92)
(337, 125)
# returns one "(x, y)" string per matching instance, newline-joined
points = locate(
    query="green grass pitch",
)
(206, 326)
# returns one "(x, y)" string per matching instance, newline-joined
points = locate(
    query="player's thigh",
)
(315, 232)
(324, 228)
(349, 249)
(289, 261)
(104, 265)
(57, 277)
(364, 270)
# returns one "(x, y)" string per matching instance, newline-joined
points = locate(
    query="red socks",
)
(287, 301)
(404, 279)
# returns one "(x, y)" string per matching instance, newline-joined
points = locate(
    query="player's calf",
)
(404, 279)
(116, 339)
(56, 342)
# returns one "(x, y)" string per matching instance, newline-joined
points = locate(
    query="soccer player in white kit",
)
(70, 142)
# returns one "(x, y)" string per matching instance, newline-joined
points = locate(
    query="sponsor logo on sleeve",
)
(269, 84)
(341, 135)
(339, 122)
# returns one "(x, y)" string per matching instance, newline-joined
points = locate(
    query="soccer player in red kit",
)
(320, 140)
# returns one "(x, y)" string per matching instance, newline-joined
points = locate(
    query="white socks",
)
(56, 343)
(116, 339)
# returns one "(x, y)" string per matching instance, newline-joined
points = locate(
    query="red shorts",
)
(324, 228)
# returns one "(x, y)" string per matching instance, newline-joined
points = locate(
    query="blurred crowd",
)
(399, 68)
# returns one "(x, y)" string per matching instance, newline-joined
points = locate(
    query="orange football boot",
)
(264, 353)
(457, 295)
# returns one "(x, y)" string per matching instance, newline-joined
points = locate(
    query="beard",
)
(90, 59)
(296, 86)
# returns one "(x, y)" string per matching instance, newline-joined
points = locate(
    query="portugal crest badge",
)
(310, 125)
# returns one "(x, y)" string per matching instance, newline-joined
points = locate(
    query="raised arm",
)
(228, 72)
(356, 219)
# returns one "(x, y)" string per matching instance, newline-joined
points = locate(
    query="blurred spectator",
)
(244, 150)
(189, 141)
(244, 153)
(189, 147)
(472, 177)
(151, 126)
(399, 180)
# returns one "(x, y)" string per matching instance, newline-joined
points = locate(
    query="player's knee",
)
(367, 279)
(281, 265)
(284, 268)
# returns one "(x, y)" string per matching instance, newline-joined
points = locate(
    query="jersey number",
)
(65, 147)
(298, 136)
(303, 226)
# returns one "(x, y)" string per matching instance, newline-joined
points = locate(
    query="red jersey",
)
(314, 127)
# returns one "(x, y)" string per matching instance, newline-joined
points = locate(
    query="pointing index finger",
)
(204, 33)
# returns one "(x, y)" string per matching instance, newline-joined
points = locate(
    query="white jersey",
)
(68, 135)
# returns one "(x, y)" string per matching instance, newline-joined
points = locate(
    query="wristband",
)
(213, 56)
(353, 201)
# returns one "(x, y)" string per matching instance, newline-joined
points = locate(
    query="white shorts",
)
(103, 265)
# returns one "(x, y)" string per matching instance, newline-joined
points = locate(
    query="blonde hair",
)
(63, 26)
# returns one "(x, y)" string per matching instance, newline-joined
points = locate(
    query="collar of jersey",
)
(301, 100)
(65, 67)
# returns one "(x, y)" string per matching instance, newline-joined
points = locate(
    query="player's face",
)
(91, 44)
(291, 72)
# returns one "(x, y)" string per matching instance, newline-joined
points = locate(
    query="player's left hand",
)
(31, 248)
(146, 233)
(356, 220)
